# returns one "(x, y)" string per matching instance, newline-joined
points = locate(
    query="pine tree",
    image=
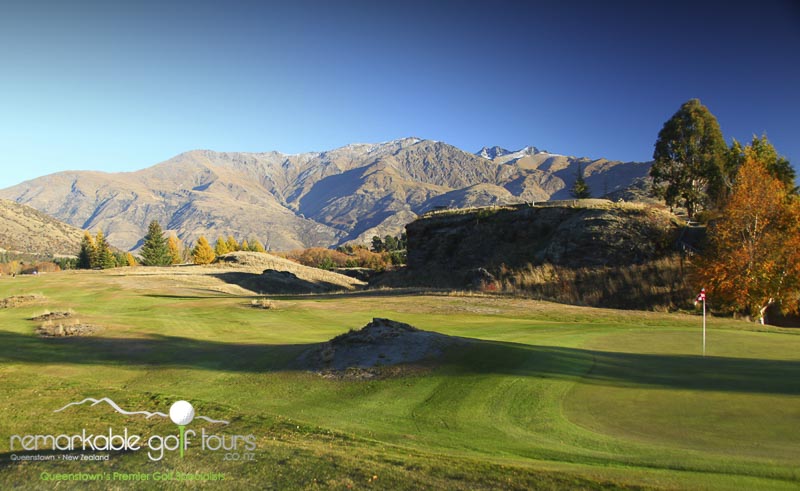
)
(174, 246)
(120, 259)
(580, 190)
(202, 253)
(86, 254)
(221, 247)
(233, 246)
(244, 246)
(155, 251)
(689, 159)
(104, 259)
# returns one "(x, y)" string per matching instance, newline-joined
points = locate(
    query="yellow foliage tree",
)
(203, 253)
(244, 246)
(257, 246)
(221, 247)
(130, 259)
(174, 246)
(753, 257)
(232, 244)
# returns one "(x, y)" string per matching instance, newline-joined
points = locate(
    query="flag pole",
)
(704, 325)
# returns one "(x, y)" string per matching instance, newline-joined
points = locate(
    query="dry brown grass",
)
(659, 285)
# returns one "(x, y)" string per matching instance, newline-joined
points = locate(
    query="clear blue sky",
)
(124, 85)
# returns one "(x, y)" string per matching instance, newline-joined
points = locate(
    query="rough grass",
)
(550, 397)
(656, 285)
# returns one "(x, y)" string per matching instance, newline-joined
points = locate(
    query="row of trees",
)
(752, 258)
(157, 250)
(95, 253)
(160, 251)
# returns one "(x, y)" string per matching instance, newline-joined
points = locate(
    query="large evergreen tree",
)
(86, 254)
(689, 158)
(155, 251)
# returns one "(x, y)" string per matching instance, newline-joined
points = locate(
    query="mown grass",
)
(552, 397)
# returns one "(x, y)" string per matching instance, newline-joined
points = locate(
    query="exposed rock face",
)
(575, 234)
(348, 194)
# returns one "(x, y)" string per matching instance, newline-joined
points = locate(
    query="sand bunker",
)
(376, 349)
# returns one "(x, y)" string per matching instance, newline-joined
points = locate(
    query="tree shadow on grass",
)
(475, 358)
(276, 282)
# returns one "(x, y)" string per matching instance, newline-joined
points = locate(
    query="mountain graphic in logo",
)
(183, 411)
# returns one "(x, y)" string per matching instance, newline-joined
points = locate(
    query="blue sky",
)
(124, 85)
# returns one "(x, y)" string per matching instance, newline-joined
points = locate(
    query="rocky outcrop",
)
(584, 233)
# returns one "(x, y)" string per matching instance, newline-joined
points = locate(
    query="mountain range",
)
(328, 198)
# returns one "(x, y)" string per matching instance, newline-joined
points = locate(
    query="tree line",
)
(161, 250)
(157, 250)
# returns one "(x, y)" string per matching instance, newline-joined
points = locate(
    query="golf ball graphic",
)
(181, 413)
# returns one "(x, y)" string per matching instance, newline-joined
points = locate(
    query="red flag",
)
(702, 296)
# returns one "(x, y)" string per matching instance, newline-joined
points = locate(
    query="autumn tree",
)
(221, 247)
(753, 257)
(689, 158)
(174, 246)
(233, 246)
(155, 251)
(244, 246)
(104, 258)
(257, 246)
(129, 259)
(580, 190)
(761, 149)
(202, 252)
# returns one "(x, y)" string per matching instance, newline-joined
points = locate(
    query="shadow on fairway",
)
(272, 282)
(476, 358)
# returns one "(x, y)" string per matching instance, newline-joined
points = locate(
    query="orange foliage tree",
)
(753, 257)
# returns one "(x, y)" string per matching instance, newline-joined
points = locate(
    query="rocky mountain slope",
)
(310, 199)
(26, 230)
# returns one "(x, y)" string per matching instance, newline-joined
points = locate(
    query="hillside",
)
(26, 230)
(324, 198)
(574, 234)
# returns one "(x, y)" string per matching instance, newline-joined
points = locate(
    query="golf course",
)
(543, 396)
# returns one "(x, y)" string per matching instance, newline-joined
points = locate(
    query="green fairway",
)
(550, 396)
